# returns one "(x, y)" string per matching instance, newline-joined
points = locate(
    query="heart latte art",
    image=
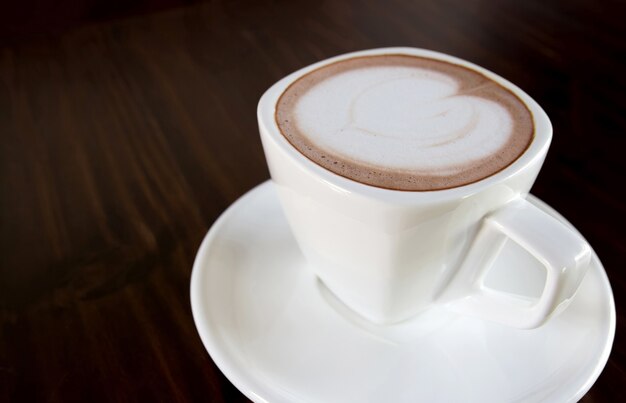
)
(404, 122)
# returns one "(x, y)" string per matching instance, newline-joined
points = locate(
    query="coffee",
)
(404, 122)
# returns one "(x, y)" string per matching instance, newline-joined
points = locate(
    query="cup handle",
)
(564, 254)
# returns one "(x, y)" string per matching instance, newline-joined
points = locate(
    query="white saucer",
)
(279, 336)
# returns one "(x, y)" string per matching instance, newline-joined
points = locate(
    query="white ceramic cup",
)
(390, 254)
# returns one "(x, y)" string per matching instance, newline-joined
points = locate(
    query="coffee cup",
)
(403, 171)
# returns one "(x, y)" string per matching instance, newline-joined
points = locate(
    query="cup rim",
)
(536, 150)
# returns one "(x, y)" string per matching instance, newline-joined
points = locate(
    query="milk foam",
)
(405, 126)
(403, 118)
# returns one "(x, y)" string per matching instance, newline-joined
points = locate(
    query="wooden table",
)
(124, 137)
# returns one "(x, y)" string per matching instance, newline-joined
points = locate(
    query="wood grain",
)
(123, 140)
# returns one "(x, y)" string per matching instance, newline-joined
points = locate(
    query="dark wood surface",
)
(123, 138)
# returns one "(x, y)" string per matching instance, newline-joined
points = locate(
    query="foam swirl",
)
(404, 124)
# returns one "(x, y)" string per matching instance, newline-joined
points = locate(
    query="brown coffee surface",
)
(471, 85)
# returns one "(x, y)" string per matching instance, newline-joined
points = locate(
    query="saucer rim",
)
(244, 382)
(254, 390)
